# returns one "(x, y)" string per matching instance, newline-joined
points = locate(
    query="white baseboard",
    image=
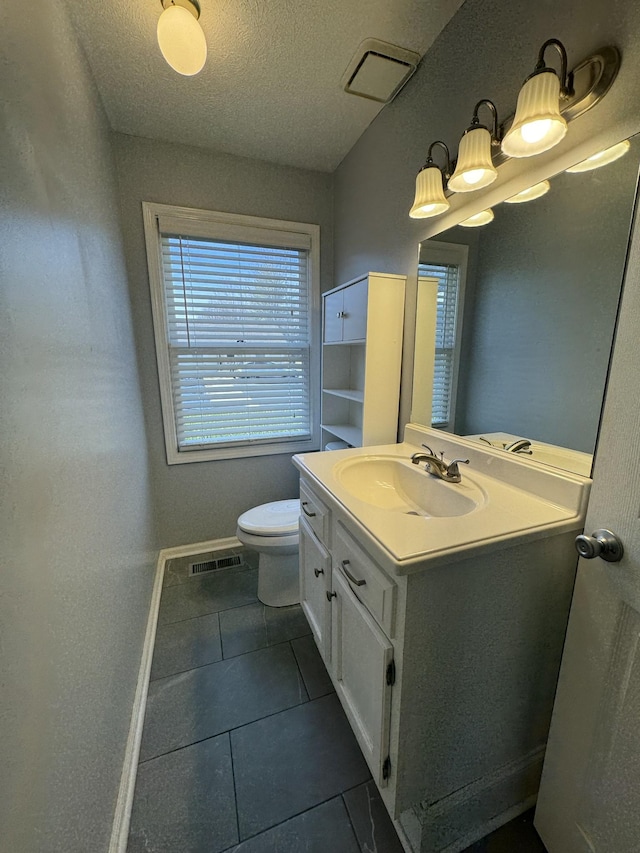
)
(201, 547)
(122, 816)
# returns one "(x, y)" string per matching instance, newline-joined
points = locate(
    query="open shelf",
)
(347, 432)
(347, 393)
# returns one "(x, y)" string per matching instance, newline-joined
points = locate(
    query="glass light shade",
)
(182, 41)
(530, 193)
(537, 124)
(482, 218)
(602, 158)
(430, 199)
(474, 169)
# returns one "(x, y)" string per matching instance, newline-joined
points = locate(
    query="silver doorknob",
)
(603, 543)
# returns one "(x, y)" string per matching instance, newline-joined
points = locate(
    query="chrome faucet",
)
(437, 466)
(522, 445)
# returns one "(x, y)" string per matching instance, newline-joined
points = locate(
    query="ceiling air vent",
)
(379, 70)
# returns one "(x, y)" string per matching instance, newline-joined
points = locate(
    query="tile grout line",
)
(337, 796)
(235, 790)
(231, 657)
(346, 808)
(236, 728)
(300, 672)
(209, 613)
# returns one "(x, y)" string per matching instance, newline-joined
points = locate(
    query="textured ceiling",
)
(271, 86)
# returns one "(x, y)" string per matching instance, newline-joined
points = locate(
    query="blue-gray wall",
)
(199, 501)
(78, 548)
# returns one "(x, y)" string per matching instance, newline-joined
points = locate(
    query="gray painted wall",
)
(485, 52)
(75, 523)
(202, 500)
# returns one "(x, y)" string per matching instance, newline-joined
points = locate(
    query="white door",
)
(589, 798)
(333, 317)
(315, 582)
(355, 311)
(361, 656)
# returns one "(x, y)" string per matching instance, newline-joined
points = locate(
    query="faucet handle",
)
(455, 462)
(452, 467)
(427, 448)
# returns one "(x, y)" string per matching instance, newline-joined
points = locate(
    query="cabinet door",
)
(333, 313)
(362, 655)
(315, 582)
(355, 311)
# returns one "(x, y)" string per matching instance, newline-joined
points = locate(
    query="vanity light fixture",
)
(430, 199)
(482, 218)
(475, 168)
(537, 124)
(180, 36)
(547, 102)
(602, 158)
(536, 191)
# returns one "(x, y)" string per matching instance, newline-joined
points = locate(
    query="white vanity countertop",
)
(519, 501)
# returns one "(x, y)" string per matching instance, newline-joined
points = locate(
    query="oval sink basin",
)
(393, 484)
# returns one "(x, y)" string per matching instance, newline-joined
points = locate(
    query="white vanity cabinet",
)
(445, 664)
(362, 326)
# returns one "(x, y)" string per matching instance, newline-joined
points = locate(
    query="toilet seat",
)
(278, 518)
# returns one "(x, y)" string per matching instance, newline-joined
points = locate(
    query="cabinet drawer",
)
(315, 512)
(369, 583)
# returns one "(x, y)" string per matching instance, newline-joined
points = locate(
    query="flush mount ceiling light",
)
(379, 70)
(538, 124)
(180, 36)
(602, 158)
(475, 168)
(536, 191)
(482, 218)
(430, 199)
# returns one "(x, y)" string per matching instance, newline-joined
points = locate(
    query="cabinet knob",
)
(318, 572)
(331, 595)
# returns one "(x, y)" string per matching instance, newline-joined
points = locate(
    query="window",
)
(446, 263)
(235, 307)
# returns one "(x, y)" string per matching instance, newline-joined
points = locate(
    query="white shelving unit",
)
(362, 324)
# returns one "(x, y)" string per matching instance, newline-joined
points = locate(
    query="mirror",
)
(536, 327)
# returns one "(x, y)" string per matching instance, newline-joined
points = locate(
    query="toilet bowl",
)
(272, 530)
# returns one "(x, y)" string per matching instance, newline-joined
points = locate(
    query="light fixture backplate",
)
(190, 5)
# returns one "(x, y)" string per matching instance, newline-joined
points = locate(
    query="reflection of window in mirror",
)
(441, 282)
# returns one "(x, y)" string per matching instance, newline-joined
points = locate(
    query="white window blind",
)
(448, 277)
(238, 338)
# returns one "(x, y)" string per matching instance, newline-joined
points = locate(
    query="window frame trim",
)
(152, 213)
(441, 252)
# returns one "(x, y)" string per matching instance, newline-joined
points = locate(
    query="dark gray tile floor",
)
(245, 747)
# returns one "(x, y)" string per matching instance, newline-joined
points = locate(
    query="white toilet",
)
(272, 530)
